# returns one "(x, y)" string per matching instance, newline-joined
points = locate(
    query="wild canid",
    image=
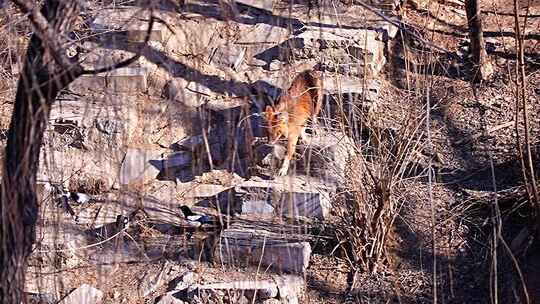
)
(293, 108)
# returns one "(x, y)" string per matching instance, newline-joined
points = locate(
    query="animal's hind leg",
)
(315, 126)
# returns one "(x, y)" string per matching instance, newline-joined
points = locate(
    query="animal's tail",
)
(315, 83)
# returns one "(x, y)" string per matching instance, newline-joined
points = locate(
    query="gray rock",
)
(42, 298)
(123, 80)
(261, 4)
(260, 289)
(136, 166)
(84, 294)
(183, 282)
(326, 156)
(275, 65)
(206, 190)
(126, 20)
(359, 49)
(169, 298)
(297, 198)
(242, 247)
(186, 93)
(334, 84)
(262, 33)
(104, 53)
(153, 280)
(189, 143)
(389, 29)
(259, 207)
(229, 56)
(257, 62)
(188, 277)
(290, 288)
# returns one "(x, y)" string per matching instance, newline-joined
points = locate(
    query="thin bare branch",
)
(128, 61)
(400, 25)
(44, 30)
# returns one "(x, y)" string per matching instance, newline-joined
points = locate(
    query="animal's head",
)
(277, 124)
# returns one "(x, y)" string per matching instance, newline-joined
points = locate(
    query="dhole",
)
(293, 108)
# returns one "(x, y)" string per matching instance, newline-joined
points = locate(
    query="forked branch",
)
(44, 31)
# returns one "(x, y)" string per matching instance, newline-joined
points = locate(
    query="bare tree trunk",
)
(46, 71)
(40, 82)
(483, 68)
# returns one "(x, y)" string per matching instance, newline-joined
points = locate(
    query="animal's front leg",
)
(284, 168)
(291, 147)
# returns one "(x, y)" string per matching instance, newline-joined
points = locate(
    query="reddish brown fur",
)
(288, 118)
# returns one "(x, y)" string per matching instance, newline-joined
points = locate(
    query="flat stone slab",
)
(128, 20)
(296, 198)
(229, 56)
(361, 47)
(262, 33)
(123, 80)
(245, 247)
(136, 166)
(264, 289)
(261, 4)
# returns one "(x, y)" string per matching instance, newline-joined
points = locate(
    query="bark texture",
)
(483, 68)
(40, 82)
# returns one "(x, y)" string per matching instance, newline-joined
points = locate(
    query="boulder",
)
(187, 93)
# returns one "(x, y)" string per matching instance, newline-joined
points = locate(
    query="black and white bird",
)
(122, 222)
(66, 196)
(193, 218)
(79, 198)
(65, 199)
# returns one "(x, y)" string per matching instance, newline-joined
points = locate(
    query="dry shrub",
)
(14, 37)
(369, 204)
